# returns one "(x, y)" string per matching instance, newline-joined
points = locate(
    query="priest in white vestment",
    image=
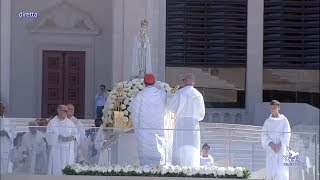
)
(78, 146)
(7, 134)
(141, 62)
(61, 134)
(275, 139)
(148, 114)
(34, 142)
(189, 109)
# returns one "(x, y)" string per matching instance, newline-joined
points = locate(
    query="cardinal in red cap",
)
(149, 79)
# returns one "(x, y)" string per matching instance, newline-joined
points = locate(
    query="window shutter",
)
(201, 32)
(291, 34)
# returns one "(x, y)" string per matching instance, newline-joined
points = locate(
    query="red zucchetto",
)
(149, 79)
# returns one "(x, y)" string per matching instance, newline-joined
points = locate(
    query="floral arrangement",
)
(165, 171)
(121, 96)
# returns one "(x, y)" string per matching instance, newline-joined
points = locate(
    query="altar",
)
(127, 149)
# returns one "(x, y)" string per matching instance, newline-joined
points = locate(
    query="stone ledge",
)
(100, 178)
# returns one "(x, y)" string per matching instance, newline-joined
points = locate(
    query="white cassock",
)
(276, 130)
(61, 153)
(189, 109)
(141, 53)
(18, 159)
(148, 113)
(104, 139)
(79, 147)
(37, 150)
(6, 143)
(206, 160)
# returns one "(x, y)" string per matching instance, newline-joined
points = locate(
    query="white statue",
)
(141, 63)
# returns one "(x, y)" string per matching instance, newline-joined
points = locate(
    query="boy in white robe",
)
(206, 158)
(189, 109)
(61, 134)
(275, 139)
(19, 156)
(34, 142)
(7, 134)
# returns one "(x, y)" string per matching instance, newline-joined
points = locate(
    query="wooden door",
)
(75, 81)
(63, 81)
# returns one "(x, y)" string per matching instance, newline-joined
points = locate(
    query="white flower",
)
(130, 93)
(117, 168)
(194, 170)
(164, 169)
(125, 119)
(125, 169)
(221, 171)
(130, 168)
(239, 171)
(202, 170)
(155, 169)
(171, 169)
(125, 112)
(109, 169)
(185, 170)
(177, 169)
(146, 169)
(111, 106)
(126, 101)
(141, 87)
(138, 170)
(230, 171)
(123, 106)
(210, 170)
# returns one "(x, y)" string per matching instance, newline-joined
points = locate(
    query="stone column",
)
(5, 50)
(254, 78)
(162, 40)
(117, 40)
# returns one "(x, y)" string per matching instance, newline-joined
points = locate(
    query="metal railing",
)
(229, 147)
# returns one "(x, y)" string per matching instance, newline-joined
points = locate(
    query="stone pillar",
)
(254, 78)
(162, 40)
(117, 40)
(127, 15)
(5, 50)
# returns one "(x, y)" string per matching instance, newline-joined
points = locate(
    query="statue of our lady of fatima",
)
(141, 62)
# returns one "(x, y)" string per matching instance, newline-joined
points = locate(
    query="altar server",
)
(35, 144)
(275, 139)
